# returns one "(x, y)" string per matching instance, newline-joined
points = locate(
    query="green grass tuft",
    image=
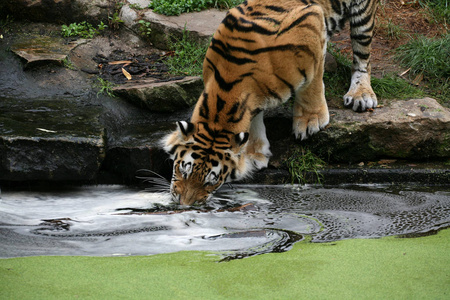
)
(104, 87)
(425, 55)
(430, 57)
(302, 162)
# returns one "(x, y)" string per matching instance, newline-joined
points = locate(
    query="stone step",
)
(49, 140)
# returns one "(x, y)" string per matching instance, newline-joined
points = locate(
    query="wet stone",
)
(49, 140)
(163, 96)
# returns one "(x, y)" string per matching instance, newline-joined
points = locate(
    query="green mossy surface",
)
(388, 268)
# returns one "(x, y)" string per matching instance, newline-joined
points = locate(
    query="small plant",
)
(302, 162)
(115, 21)
(391, 29)
(187, 57)
(67, 63)
(135, 6)
(105, 87)
(5, 24)
(83, 29)
(145, 28)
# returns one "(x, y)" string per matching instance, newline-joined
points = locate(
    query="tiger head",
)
(204, 159)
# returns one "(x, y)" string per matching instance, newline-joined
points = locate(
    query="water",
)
(238, 222)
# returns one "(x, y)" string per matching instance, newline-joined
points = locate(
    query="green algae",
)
(388, 268)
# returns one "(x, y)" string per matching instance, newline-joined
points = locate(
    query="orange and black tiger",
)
(263, 54)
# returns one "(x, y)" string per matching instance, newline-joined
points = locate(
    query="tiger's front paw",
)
(310, 123)
(360, 96)
(258, 149)
(260, 161)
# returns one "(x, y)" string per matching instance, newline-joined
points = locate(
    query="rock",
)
(49, 140)
(60, 11)
(200, 25)
(330, 63)
(39, 50)
(162, 96)
(416, 129)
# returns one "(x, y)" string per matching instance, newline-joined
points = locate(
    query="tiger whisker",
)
(155, 180)
(159, 183)
(152, 172)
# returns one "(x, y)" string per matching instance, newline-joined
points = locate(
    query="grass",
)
(393, 87)
(188, 56)
(177, 7)
(426, 55)
(303, 162)
(438, 10)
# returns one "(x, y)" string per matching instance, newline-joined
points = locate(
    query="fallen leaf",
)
(405, 72)
(386, 161)
(46, 130)
(120, 62)
(418, 79)
(127, 75)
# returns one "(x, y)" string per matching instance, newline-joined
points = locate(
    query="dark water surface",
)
(118, 220)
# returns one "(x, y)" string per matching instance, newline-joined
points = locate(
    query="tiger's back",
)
(263, 54)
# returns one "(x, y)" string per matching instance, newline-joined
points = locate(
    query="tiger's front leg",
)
(258, 147)
(310, 112)
(360, 95)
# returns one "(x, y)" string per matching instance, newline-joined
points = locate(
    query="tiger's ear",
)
(185, 128)
(241, 138)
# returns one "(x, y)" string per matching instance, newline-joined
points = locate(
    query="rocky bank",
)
(55, 126)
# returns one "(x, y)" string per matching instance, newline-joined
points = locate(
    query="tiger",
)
(263, 53)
